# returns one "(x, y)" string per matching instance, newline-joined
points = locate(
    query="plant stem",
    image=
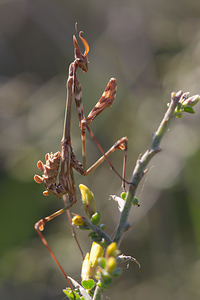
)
(98, 293)
(100, 232)
(141, 164)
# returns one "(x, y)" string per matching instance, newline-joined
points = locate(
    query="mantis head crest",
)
(81, 59)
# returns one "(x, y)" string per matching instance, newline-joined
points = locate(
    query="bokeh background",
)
(152, 48)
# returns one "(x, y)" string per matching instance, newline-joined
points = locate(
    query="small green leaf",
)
(66, 293)
(95, 238)
(82, 291)
(70, 295)
(100, 284)
(92, 235)
(91, 292)
(88, 284)
(178, 115)
(188, 109)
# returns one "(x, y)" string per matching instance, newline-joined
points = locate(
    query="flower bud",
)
(78, 221)
(95, 252)
(111, 264)
(85, 272)
(191, 101)
(90, 262)
(112, 250)
(88, 200)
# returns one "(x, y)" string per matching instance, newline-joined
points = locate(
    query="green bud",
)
(127, 226)
(135, 201)
(96, 217)
(97, 239)
(123, 195)
(102, 226)
(102, 262)
(185, 104)
(106, 279)
(103, 243)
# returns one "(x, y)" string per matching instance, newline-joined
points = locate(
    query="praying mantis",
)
(57, 174)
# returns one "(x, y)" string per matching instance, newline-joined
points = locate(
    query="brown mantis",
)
(61, 165)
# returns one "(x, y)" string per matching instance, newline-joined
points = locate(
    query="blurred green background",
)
(152, 48)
